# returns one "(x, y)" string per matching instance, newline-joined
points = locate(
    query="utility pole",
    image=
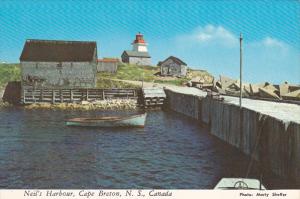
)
(143, 80)
(241, 67)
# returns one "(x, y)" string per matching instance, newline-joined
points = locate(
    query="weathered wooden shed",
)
(59, 64)
(136, 57)
(173, 66)
(107, 65)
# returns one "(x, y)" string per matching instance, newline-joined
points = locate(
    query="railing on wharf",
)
(52, 95)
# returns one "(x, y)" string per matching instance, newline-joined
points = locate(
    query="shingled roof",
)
(58, 51)
(175, 59)
(136, 54)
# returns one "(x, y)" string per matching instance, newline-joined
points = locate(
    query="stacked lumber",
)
(228, 86)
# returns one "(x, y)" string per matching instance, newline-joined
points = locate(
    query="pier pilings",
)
(275, 143)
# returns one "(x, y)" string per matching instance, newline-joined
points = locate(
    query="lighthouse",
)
(139, 54)
(139, 43)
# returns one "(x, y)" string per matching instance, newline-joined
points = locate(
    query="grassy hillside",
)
(132, 72)
(108, 83)
(147, 73)
(9, 72)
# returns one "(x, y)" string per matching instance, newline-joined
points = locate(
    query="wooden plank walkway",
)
(48, 95)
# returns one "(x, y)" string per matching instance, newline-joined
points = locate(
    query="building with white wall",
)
(139, 54)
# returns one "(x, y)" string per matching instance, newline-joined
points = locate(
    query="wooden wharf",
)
(153, 97)
(52, 95)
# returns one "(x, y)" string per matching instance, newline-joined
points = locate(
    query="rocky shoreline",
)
(113, 104)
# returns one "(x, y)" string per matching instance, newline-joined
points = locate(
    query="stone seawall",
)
(276, 143)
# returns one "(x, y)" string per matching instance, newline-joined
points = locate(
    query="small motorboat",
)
(123, 121)
(240, 183)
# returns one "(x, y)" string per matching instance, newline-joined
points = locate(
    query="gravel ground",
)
(283, 111)
(187, 90)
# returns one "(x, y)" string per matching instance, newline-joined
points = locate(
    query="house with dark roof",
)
(139, 54)
(173, 66)
(59, 64)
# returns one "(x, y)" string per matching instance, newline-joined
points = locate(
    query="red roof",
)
(114, 60)
(139, 38)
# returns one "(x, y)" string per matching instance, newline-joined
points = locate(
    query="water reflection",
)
(37, 150)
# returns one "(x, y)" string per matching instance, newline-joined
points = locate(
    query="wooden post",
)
(103, 94)
(61, 96)
(71, 95)
(87, 94)
(41, 95)
(32, 95)
(53, 96)
(241, 67)
(24, 100)
(100, 94)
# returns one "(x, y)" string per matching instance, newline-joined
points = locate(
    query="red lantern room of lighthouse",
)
(139, 44)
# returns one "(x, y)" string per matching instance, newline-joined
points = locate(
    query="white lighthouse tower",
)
(139, 44)
(139, 54)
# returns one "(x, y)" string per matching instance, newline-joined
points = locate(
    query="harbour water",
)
(37, 150)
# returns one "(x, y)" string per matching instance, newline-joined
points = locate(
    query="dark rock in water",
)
(12, 93)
